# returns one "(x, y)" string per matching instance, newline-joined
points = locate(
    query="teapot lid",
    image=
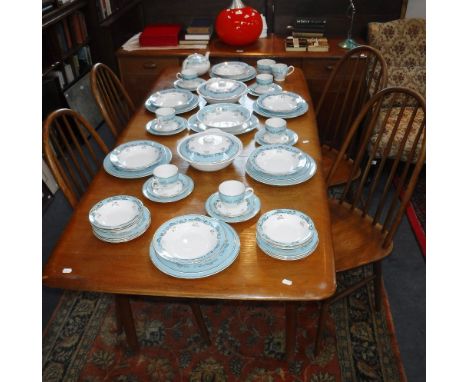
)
(196, 57)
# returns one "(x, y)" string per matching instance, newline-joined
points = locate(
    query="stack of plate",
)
(118, 219)
(181, 100)
(228, 117)
(286, 234)
(280, 165)
(257, 90)
(136, 159)
(194, 246)
(217, 90)
(234, 70)
(281, 104)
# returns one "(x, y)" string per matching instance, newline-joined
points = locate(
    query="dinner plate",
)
(288, 254)
(223, 116)
(244, 211)
(278, 160)
(195, 125)
(116, 212)
(304, 176)
(196, 101)
(197, 270)
(172, 127)
(288, 137)
(189, 238)
(281, 102)
(247, 76)
(183, 188)
(230, 69)
(136, 155)
(285, 228)
(265, 113)
(175, 98)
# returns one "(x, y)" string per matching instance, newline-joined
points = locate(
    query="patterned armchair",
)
(403, 45)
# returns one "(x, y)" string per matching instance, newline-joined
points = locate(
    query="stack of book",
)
(164, 35)
(308, 27)
(197, 33)
(302, 44)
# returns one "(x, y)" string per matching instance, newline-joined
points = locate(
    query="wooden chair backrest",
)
(358, 75)
(393, 171)
(73, 150)
(113, 101)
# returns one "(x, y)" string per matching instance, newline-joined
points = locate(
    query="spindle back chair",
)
(366, 215)
(73, 150)
(113, 100)
(358, 75)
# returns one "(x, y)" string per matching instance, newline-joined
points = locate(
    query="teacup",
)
(264, 65)
(165, 114)
(280, 71)
(233, 192)
(165, 175)
(264, 79)
(275, 125)
(187, 74)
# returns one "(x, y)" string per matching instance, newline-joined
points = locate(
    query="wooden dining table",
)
(80, 261)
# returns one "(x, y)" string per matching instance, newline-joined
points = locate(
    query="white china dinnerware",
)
(253, 123)
(136, 155)
(232, 213)
(211, 150)
(264, 65)
(191, 85)
(224, 116)
(234, 192)
(258, 90)
(219, 90)
(275, 125)
(165, 174)
(136, 159)
(172, 192)
(280, 165)
(235, 70)
(264, 79)
(286, 137)
(170, 127)
(182, 100)
(187, 74)
(280, 104)
(198, 62)
(281, 71)
(165, 114)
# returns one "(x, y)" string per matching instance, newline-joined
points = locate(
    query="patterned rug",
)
(416, 211)
(81, 343)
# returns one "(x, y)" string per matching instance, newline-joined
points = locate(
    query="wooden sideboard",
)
(139, 67)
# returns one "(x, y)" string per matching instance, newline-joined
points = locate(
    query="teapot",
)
(198, 62)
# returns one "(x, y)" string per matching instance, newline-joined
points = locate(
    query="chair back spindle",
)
(73, 150)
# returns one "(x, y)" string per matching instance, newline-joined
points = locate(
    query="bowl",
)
(217, 95)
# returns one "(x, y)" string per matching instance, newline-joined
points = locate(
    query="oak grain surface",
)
(126, 267)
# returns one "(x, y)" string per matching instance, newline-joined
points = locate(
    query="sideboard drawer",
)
(318, 69)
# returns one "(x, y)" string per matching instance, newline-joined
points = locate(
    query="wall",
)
(416, 8)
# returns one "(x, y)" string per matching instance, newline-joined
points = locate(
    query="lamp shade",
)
(239, 24)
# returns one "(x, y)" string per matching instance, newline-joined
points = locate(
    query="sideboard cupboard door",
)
(138, 73)
(317, 71)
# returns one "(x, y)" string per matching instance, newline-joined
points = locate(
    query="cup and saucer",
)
(263, 85)
(276, 132)
(166, 122)
(167, 185)
(188, 79)
(233, 203)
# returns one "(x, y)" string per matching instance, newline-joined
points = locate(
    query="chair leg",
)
(291, 328)
(200, 322)
(378, 285)
(321, 323)
(125, 319)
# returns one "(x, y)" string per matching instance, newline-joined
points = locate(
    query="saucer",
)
(240, 213)
(258, 90)
(191, 85)
(172, 127)
(288, 137)
(181, 189)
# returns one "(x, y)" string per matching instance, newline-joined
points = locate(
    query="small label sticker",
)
(240, 50)
(286, 282)
(305, 141)
(66, 270)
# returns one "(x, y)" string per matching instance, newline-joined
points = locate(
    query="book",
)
(295, 44)
(160, 35)
(193, 42)
(317, 45)
(197, 36)
(200, 25)
(307, 34)
(68, 73)
(309, 21)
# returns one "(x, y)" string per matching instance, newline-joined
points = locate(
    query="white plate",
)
(231, 210)
(230, 69)
(278, 161)
(284, 103)
(135, 156)
(114, 212)
(170, 99)
(167, 191)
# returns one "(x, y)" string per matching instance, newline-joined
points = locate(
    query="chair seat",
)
(345, 166)
(355, 240)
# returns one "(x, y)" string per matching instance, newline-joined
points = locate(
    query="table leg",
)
(125, 320)
(200, 321)
(291, 326)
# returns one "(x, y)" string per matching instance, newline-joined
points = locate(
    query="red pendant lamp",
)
(239, 25)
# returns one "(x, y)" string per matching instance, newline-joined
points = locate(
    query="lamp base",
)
(349, 43)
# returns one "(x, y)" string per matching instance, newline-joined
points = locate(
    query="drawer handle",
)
(329, 67)
(149, 65)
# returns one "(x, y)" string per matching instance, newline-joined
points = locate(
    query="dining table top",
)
(80, 261)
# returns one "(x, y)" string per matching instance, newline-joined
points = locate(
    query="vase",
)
(239, 24)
